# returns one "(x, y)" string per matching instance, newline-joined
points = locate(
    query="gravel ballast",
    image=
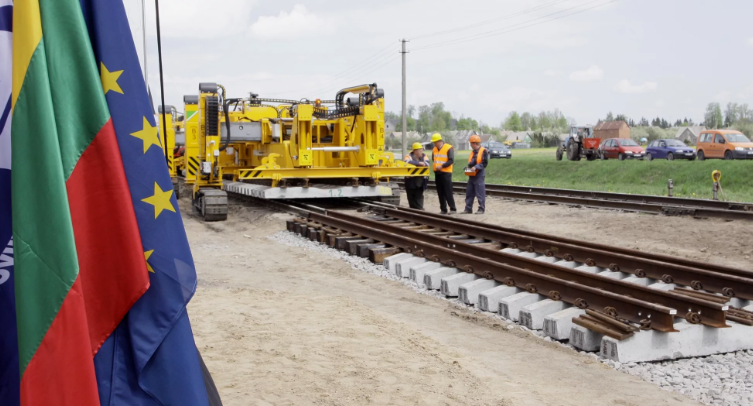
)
(719, 380)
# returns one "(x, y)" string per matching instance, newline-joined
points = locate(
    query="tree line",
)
(435, 118)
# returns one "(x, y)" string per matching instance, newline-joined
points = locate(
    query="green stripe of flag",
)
(54, 121)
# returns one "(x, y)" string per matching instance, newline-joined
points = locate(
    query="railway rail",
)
(616, 307)
(671, 206)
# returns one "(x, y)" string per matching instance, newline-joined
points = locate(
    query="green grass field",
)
(538, 167)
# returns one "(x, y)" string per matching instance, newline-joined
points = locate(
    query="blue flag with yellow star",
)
(151, 358)
(9, 378)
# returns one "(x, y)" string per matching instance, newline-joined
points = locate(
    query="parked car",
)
(620, 148)
(726, 144)
(497, 150)
(669, 149)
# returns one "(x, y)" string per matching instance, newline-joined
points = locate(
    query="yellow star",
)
(149, 135)
(160, 200)
(148, 254)
(109, 79)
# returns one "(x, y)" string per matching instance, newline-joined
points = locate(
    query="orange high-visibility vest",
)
(440, 157)
(479, 159)
(479, 156)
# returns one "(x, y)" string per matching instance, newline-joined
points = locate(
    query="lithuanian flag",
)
(79, 263)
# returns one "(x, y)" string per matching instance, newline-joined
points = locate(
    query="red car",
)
(621, 148)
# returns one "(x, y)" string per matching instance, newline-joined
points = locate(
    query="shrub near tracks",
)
(538, 167)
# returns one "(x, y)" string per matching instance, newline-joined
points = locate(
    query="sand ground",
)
(281, 326)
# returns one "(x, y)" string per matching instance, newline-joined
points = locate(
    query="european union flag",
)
(151, 358)
(9, 379)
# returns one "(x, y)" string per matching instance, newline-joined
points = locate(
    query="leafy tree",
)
(730, 114)
(525, 120)
(713, 116)
(513, 122)
(644, 122)
(467, 123)
(534, 123)
(390, 116)
(545, 121)
(610, 117)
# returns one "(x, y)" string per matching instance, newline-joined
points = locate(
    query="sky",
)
(482, 59)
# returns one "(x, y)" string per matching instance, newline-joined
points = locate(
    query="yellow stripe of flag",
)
(27, 33)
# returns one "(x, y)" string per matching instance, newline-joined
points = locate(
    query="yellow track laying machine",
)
(286, 149)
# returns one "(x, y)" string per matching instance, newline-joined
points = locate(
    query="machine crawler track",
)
(211, 204)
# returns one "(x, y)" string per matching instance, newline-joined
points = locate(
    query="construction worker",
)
(415, 185)
(477, 162)
(443, 156)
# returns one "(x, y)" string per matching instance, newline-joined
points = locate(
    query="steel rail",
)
(609, 258)
(517, 271)
(583, 244)
(638, 311)
(638, 198)
(619, 201)
(632, 302)
(663, 200)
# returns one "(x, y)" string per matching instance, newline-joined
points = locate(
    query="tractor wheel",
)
(573, 151)
(559, 154)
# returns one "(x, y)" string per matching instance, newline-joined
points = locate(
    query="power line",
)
(366, 63)
(353, 77)
(328, 85)
(505, 17)
(519, 26)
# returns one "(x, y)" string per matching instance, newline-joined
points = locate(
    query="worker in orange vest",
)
(416, 185)
(476, 188)
(443, 156)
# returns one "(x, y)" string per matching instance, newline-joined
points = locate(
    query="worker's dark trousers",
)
(476, 188)
(443, 180)
(415, 197)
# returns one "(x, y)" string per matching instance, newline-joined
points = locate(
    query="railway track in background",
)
(671, 206)
(612, 286)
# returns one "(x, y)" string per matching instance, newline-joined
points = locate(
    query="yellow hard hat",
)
(475, 138)
(436, 137)
(416, 145)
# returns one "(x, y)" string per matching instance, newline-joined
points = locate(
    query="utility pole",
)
(405, 107)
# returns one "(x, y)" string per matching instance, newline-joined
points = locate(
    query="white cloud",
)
(593, 73)
(298, 23)
(624, 86)
(197, 19)
(553, 73)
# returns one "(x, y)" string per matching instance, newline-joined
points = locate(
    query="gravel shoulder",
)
(280, 326)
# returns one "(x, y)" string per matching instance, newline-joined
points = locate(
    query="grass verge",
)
(538, 167)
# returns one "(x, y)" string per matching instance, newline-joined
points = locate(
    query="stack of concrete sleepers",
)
(554, 318)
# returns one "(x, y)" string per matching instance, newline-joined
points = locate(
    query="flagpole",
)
(161, 85)
(143, 28)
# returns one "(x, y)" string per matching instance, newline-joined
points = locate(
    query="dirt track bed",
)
(280, 326)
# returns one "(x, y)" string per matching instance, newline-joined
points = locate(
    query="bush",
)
(539, 140)
(745, 128)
